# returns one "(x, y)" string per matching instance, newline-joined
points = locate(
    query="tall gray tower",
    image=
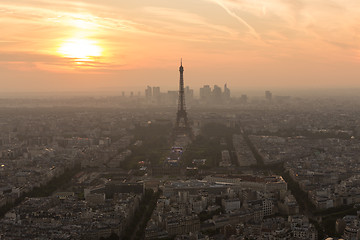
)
(182, 125)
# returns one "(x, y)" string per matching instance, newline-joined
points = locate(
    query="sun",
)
(80, 49)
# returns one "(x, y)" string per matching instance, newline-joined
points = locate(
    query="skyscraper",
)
(268, 95)
(156, 94)
(148, 93)
(216, 94)
(226, 93)
(205, 92)
(189, 94)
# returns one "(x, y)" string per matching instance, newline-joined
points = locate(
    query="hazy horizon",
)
(250, 92)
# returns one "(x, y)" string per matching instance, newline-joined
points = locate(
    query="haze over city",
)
(76, 46)
(180, 120)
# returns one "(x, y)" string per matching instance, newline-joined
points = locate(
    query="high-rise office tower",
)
(148, 93)
(226, 93)
(205, 92)
(156, 94)
(216, 94)
(268, 95)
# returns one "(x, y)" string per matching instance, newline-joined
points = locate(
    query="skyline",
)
(87, 46)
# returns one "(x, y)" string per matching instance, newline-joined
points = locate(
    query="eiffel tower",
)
(182, 125)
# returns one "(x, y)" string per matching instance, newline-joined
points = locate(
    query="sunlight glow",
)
(80, 49)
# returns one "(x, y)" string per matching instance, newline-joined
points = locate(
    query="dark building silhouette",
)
(156, 94)
(268, 95)
(217, 94)
(226, 93)
(189, 94)
(244, 98)
(148, 93)
(205, 92)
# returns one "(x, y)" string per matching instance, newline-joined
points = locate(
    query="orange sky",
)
(115, 45)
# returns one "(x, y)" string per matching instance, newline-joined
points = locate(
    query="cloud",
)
(27, 61)
(27, 57)
(185, 25)
(298, 20)
(229, 10)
